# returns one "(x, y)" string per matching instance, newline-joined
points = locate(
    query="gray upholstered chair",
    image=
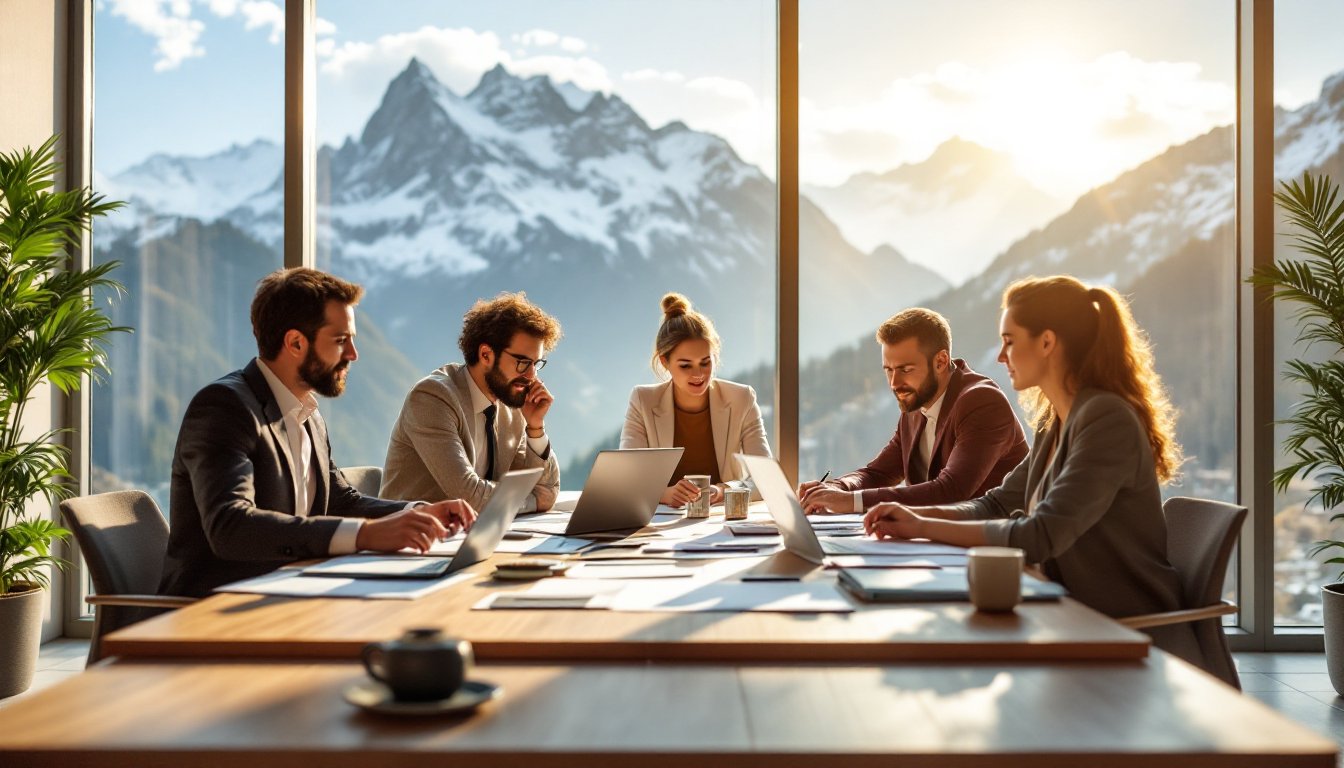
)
(1200, 537)
(366, 480)
(123, 537)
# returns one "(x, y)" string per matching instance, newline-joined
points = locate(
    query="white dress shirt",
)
(926, 441)
(296, 414)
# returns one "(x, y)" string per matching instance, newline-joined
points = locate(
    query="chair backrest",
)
(1200, 537)
(366, 480)
(123, 537)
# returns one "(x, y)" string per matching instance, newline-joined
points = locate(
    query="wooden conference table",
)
(257, 626)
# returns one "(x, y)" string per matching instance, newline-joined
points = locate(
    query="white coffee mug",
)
(994, 575)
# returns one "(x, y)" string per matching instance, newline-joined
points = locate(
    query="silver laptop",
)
(480, 542)
(623, 489)
(784, 507)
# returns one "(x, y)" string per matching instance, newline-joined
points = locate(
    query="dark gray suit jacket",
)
(232, 496)
(1098, 527)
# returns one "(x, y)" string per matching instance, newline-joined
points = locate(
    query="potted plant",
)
(50, 332)
(1315, 444)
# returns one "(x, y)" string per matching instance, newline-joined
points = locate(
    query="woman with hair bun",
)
(710, 418)
(1086, 503)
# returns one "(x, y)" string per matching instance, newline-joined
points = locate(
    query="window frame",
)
(1254, 225)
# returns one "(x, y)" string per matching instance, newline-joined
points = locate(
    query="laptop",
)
(784, 507)
(622, 490)
(491, 525)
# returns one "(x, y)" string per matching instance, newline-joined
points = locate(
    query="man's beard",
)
(502, 387)
(923, 395)
(326, 381)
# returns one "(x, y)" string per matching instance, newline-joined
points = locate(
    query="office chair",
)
(366, 480)
(1200, 537)
(123, 537)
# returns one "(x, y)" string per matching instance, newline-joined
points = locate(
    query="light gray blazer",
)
(431, 456)
(734, 417)
(1097, 527)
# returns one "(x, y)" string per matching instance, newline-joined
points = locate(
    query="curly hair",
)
(681, 323)
(295, 299)
(1104, 349)
(494, 323)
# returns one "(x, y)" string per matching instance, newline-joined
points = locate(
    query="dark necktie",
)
(918, 472)
(490, 442)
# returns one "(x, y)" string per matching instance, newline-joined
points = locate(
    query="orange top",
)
(693, 432)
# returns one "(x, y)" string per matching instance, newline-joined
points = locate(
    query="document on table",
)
(896, 561)
(538, 545)
(290, 582)
(866, 546)
(556, 592)
(627, 569)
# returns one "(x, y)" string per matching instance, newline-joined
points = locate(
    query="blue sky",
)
(883, 81)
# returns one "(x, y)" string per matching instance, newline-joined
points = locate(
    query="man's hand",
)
(827, 500)
(537, 404)
(681, 494)
(545, 497)
(413, 528)
(455, 514)
(893, 521)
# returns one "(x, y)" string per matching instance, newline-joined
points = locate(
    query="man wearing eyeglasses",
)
(465, 425)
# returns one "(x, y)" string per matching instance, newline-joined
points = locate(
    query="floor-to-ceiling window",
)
(1308, 137)
(188, 129)
(593, 154)
(950, 148)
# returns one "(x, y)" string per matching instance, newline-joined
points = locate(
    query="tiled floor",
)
(1295, 684)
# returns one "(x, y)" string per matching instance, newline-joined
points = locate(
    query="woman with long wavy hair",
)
(1086, 503)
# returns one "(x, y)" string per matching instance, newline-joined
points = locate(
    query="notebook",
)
(928, 585)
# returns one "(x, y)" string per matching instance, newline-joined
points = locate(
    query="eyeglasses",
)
(523, 363)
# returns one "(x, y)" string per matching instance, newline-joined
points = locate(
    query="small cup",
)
(994, 575)
(699, 507)
(735, 503)
(421, 665)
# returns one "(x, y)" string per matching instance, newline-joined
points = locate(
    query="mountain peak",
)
(519, 103)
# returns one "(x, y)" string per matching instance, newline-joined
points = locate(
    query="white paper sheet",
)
(631, 570)
(538, 545)
(865, 546)
(555, 593)
(288, 582)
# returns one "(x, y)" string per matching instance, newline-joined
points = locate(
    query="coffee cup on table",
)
(421, 665)
(994, 575)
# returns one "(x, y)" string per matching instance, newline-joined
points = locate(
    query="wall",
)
(33, 74)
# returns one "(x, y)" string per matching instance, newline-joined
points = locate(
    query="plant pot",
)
(20, 637)
(1332, 612)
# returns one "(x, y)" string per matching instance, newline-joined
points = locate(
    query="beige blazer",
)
(733, 415)
(431, 455)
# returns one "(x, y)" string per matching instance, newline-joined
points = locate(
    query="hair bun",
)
(674, 304)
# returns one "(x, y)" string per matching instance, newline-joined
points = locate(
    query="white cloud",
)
(1067, 124)
(258, 14)
(583, 72)
(642, 75)
(169, 22)
(537, 38)
(572, 45)
(457, 57)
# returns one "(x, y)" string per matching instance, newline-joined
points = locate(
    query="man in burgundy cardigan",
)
(957, 436)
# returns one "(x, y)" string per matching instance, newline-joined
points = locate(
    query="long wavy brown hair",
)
(1104, 349)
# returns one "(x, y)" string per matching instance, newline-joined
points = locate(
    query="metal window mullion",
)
(1255, 317)
(786, 349)
(300, 134)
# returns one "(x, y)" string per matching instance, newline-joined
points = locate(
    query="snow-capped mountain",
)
(954, 211)
(443, 199)
(197, 187)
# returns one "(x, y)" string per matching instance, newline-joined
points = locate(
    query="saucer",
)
(373, 696)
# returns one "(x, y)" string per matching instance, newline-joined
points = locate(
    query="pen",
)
(823, 477)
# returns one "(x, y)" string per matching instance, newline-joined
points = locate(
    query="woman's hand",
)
(893, 521)
(715, 494)
(680, 494)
